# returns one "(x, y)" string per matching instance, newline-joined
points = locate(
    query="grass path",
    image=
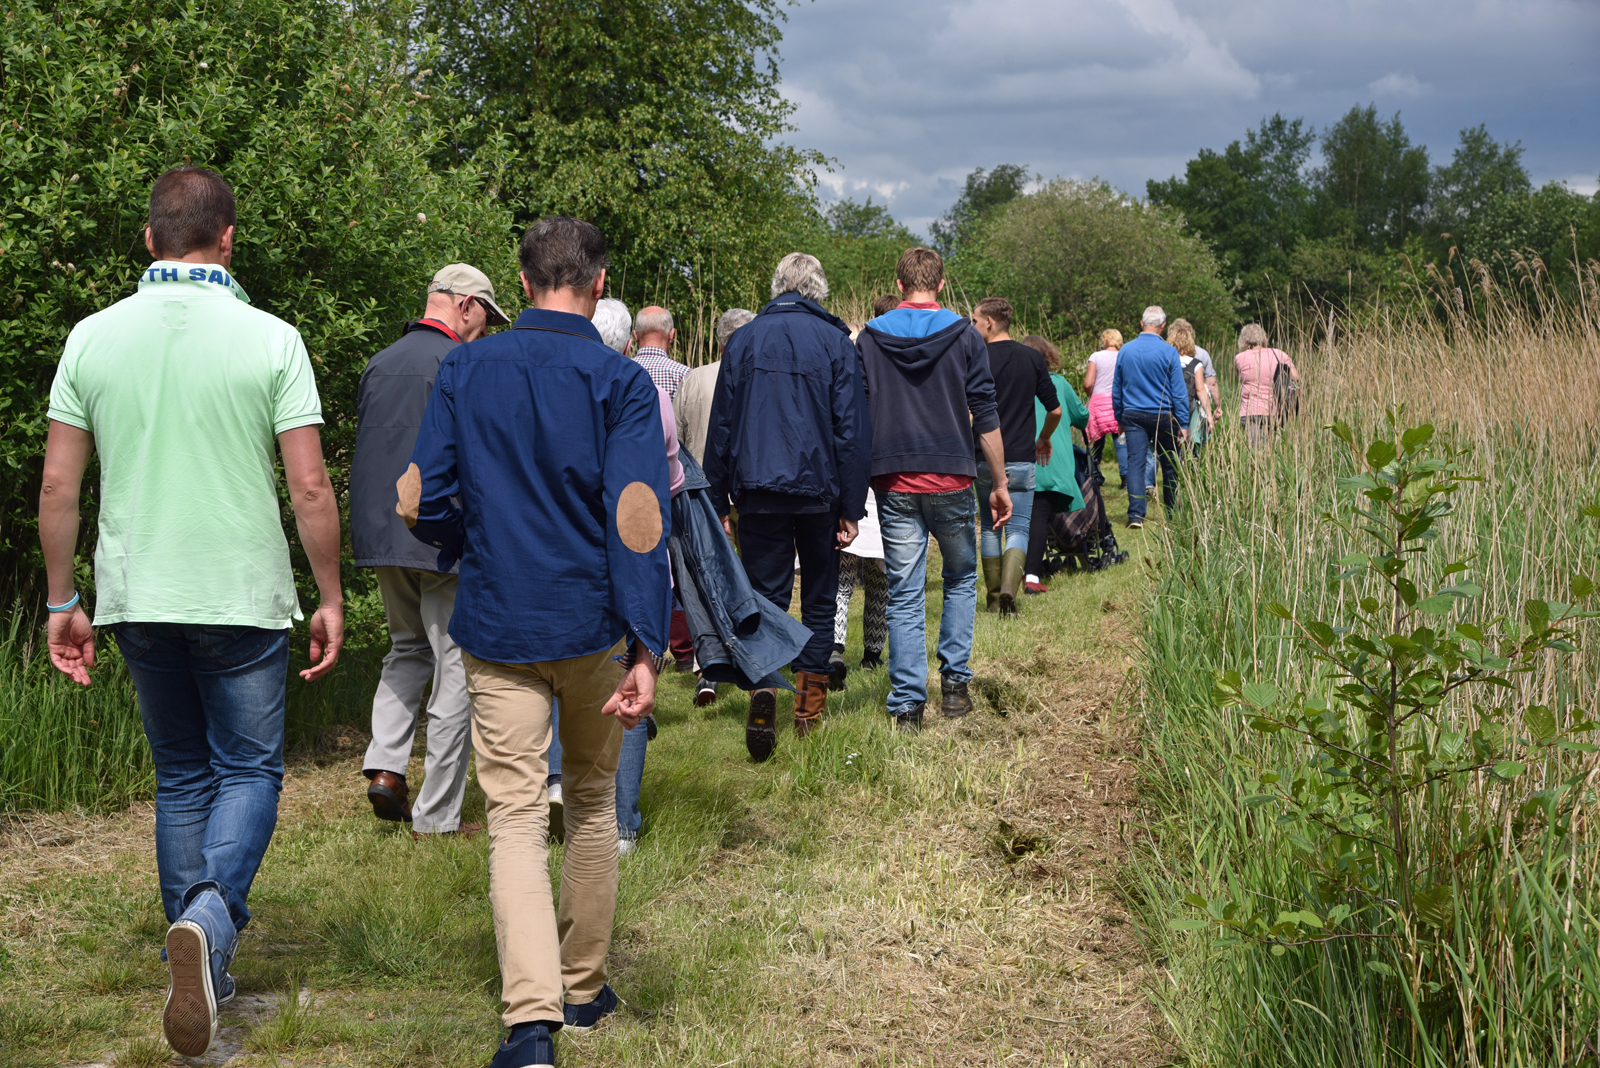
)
(864, 898)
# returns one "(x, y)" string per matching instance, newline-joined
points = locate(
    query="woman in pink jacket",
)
(1257, 365)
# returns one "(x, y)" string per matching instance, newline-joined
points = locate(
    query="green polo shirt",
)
(185, 388)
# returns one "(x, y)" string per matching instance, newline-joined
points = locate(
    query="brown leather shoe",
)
(388, 793)
(809, 702)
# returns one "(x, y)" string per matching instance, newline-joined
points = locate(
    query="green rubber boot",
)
(991, 581)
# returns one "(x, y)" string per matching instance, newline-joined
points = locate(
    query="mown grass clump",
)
(1516, 979)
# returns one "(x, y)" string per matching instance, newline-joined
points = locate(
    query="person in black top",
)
(1020, 375)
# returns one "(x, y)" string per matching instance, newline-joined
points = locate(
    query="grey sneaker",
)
(200, 947)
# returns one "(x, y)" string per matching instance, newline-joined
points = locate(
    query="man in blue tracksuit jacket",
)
(1151, 404)
(790, 445)
(541, 466)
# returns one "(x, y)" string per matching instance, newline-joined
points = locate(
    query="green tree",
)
(1250, 202)
(1481, 171)
(984, 194)
(858, 245)
(1372, 187)
(1076, 257)
(657, 120)
(311, 115)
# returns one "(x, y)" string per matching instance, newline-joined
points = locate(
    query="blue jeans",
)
(1019, 481)
(212, 702)
(630, 771)
(1152, 436)
(906, 520)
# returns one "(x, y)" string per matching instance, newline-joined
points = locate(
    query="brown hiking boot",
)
(388, 793)
(809, 702)
(760, 726)
(953, 702)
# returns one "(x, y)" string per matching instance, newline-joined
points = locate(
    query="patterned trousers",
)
(875, 588)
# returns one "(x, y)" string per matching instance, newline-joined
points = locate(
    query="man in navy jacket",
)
(541, 466)
(790, 445)
(1151, 404)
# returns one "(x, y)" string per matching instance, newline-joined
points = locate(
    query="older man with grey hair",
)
(1151, 403)
(790, 445)
(653, 335)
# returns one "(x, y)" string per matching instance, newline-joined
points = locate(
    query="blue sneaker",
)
(199, 948)
(536, 1049)
(581, 1019)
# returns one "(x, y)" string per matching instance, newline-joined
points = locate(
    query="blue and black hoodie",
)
(929, 390)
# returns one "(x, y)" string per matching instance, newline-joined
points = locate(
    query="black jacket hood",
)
(918, 355)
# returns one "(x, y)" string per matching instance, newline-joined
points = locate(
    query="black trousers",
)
(768, 544)
(1045, 505)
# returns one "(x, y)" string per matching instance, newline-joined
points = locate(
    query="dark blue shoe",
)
(536, 1049)
(199, 948)
(581, 1019)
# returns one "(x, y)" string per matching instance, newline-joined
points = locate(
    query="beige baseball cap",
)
(465, 280)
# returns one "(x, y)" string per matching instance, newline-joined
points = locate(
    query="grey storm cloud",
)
(907, 99)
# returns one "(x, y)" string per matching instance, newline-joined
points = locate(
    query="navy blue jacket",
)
(1149, 378)
(739, 637)
(543, 469)
(789, 414)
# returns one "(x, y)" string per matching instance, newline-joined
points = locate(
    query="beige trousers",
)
(540, 951)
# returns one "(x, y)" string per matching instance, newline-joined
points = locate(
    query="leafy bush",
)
(309, 112)
(1080, 257)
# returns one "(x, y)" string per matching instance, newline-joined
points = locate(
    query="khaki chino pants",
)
(541, 951)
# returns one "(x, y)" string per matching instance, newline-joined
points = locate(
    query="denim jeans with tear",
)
(212, 702)
(906, 520)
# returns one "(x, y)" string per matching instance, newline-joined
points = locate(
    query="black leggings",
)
(1046, 503)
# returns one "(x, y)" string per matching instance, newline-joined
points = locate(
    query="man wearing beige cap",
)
(417, 598)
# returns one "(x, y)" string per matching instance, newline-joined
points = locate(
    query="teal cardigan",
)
(1060, 475)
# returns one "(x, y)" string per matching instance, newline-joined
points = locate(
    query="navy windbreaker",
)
(542, 468)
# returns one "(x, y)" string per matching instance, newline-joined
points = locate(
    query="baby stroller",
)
(1082, 540)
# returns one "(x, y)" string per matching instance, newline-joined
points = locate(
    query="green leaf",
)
(1540, 721)
(1436, 906)
(1342, 432)
(1416, 437)
(1436, 606)
(1380, 454)
(1377, 967)
(1187, 924)
(1537, 613)
(1260, 694)
(1591, 510)
(1461, 589)
(1582, 586)
(1273, 608)
(1508, 769)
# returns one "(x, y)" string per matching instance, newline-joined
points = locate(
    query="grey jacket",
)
(394, 392)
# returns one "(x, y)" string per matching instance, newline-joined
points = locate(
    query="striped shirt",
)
(663, 369)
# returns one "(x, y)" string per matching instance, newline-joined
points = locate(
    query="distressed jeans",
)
(906, 520)
(212, 702)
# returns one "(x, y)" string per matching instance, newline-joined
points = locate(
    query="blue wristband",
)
(54, 608)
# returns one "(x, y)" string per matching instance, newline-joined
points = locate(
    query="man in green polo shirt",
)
(182, 389)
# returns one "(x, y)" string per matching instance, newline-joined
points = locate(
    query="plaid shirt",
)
(664, 370)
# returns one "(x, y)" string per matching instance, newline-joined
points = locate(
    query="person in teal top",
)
(1056, 486)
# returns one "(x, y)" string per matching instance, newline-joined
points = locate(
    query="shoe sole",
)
(189, 1019)
(1008, 604)
(761, 739)
(386, 806)
(704, 697)
(574, 1029)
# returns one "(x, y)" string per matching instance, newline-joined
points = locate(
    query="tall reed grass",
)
(1517, 384)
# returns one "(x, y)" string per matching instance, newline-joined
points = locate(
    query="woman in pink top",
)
(1257, 364)
(1097, 383)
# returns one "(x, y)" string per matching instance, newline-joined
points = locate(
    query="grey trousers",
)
(418, 605)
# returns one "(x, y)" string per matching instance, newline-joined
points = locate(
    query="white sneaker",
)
(625, 846)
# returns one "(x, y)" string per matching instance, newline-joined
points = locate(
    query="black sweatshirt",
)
(928, 396)
(1020, 375)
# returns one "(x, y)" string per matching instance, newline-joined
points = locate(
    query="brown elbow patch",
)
(639, 517)
(409, 486)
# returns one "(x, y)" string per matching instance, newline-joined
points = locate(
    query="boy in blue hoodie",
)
(930, 392)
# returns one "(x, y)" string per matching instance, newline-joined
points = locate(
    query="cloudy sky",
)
(908, 98)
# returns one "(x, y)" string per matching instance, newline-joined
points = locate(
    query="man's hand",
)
(1000, 505)
(727, 526)
(848, 529)
(635, 696)
(327, 638)
(1043, 450)
(1183, 436)
(71, 641)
